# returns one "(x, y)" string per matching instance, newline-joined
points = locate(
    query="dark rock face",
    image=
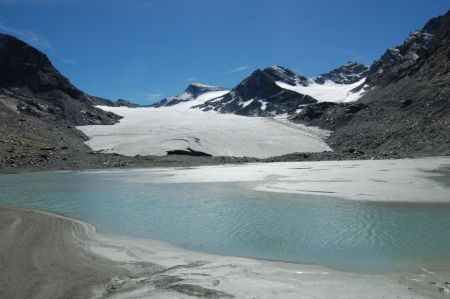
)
(407, 111)
(349, 73)
(193, 91)
(24, 66)
(258, 95)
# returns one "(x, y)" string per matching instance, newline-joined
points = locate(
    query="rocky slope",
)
(39, 107)
(407, 108)
(30, 85)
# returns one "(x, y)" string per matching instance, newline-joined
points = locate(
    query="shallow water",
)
(233, 219)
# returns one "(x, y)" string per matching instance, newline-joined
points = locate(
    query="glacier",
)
(155, 131)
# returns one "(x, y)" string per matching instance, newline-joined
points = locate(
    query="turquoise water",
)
(232, 219)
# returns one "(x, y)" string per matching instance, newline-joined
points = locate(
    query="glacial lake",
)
(231, 218)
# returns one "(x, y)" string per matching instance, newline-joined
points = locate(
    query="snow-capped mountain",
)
(195, 93)
(277, 90)
(260, 95)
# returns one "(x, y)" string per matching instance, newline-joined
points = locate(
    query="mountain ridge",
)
(277, 90)
(407, 111)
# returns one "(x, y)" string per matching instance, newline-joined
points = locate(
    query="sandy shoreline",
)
(44, 255)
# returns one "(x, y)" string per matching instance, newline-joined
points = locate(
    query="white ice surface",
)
(408, 180)
(154, 131)
(327, 92)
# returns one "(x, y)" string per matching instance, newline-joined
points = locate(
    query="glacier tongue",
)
(155, 131)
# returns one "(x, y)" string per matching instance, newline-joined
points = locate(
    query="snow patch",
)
(263, 105)
(246, 103)
(328, 91)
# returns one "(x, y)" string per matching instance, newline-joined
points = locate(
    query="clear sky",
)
(145, 50)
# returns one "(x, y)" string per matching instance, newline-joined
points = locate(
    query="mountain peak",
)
(257, 85)
(282, 74)
(349, 73)
(192, 92)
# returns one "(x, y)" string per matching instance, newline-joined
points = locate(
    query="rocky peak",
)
(418, 45)
(21, 65)
(279, 73)
(258, 85)
(348, 73)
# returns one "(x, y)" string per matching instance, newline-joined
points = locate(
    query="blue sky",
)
(145, 50)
